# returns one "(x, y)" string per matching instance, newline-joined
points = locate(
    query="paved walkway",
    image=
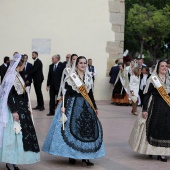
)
(117, 123)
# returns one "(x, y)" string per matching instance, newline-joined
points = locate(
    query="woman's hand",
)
(145, 115)
(63, 109)
(15, 116)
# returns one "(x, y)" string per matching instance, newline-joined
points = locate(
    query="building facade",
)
(92, 28)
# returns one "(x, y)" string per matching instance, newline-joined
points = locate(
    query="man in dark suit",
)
(4, 67)
(114, 72)
(91, 69)
(38, 77)
(67, 59)
(28, 79)
(53, 81)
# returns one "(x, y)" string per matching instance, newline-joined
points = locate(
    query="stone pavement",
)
(117, 123)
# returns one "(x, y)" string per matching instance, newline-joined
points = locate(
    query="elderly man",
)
(53, 81)
(67, 59)
(92, 69)
(140, 63)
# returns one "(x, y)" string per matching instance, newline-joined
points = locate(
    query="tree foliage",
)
(147, 26)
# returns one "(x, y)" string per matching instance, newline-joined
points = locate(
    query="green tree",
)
(149, 26)
(132, 41)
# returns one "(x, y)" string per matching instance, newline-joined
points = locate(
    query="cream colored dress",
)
(134, 86)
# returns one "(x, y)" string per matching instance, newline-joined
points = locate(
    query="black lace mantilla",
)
(83, 130)
(16, 104)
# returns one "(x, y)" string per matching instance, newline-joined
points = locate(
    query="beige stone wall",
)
(117, 18)
(92, 28)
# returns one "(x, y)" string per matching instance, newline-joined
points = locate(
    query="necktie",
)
(25, 66)
(54, 67)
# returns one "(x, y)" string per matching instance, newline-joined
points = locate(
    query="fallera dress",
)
(83, 135)
(151, 136)
(19, 148)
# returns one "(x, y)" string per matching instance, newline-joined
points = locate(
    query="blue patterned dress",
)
(83, 135)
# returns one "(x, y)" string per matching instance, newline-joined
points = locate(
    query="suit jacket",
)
(54, 77)
(3, 70)
(113, 74)
(37, 71)
(64, 64)
(26, 72)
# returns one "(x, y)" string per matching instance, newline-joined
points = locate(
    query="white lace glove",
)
(17, 128)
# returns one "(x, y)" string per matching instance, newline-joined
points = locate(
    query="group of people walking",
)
(151, 132)
(75, 132)
(128, 82)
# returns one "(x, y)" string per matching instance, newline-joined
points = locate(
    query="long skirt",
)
(150, 136)
(82, 137)
(12, 150)
(119, 94)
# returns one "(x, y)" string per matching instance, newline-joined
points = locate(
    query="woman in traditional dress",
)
(18, 141)
(81, 136)
(65, 73)
(134, 89)
(151, 132)
(131, 67)
(121, 87)
(143, 79)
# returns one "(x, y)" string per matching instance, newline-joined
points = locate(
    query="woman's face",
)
(132, 63)
(82, 64)
(120, 67)
(144, 71)
(73, 59)
(140, 71)
(163, 68)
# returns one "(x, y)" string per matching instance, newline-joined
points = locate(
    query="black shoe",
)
(7, 167)
(36, 108)
(41, 108)
(16, 168)
(50, 114)
(150, 156)
(86, 162)
(162, 158)
(72, 161)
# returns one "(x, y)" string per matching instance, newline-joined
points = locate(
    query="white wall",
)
(74, 26)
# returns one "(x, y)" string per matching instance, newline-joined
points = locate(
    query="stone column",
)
(117, 19)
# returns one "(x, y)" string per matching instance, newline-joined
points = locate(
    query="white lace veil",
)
(68, 63)
(64, 74)
(5, 88)
(88, 81)
(154, 73)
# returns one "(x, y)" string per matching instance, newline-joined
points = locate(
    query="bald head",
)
(68, 57)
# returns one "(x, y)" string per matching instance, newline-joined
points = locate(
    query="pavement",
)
(117, 124)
